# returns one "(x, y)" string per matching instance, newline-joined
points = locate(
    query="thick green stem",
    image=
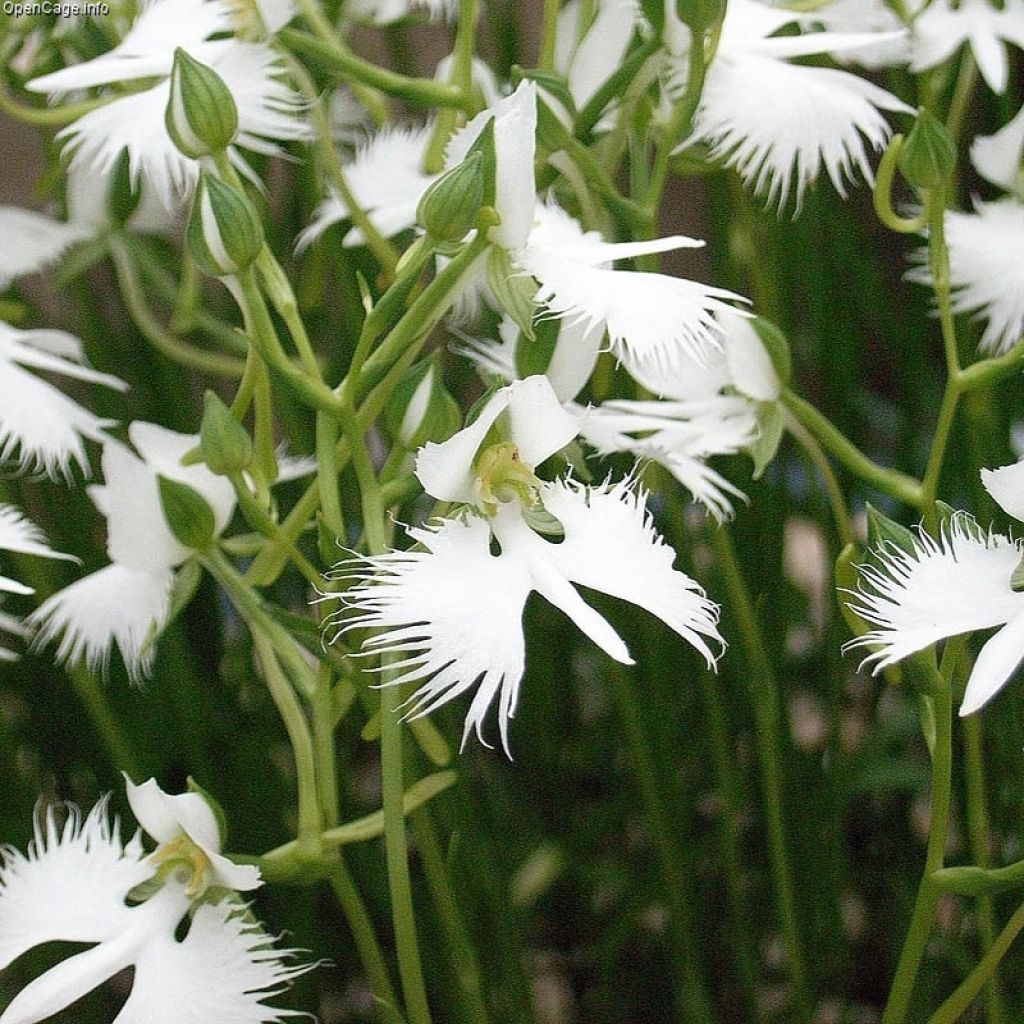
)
(765, 700)
(897, 485)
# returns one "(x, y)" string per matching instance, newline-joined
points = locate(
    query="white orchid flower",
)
(185, 826)
(943, 27)
(386, 179)
(384, 12)
(128, 601)
(943, 588)
(76, 883)
(267, 107)
(806, 119)
(985, 269)
(645, 314)
(451, 608)
(40, 427)
(704, 408)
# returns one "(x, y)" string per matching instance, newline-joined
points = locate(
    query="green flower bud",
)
(188, 515)
(448, 209)
(421, 410)
(201, 115)
(224, 231)
(928, 157)
(225, 444)
(122, 194)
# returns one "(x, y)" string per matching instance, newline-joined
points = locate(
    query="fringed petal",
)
(117, 604)
(942, 588)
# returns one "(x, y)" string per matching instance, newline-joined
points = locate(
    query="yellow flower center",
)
(186, 861)
(501, 476)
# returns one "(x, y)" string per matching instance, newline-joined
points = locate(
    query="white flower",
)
(74, 884)
(386, 179)
(170, 819)
(451, 608)
(805, 118)
(946, 587)
(128, 602)
(267, 107)
(942, 28)
(645, 315)
(849, 16)
(40, 426)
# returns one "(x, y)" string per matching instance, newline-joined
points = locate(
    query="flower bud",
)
(224, 231)
(928, 157)
(449, 207)
(201, 115)
(421, 410)
(225, 443)
(188, 515)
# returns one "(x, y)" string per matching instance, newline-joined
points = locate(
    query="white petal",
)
(17, 533)
(867, 16)
(222, 971)
(574, 358)
(986, 271)
(536, 422)
(997, 661)
(387, 180)
(515, 127)
(750, 366)
(997, 158)
(805, 118)
(611, 545)
(163, 451)
(33, 241)
(39, 425)
(446, 470)
(649, 315)
(1006, 486)
(681, 377)
(602, 49)
(118, 605)
(943, 588)
(452, 614)
(148, 47)
(70, 885)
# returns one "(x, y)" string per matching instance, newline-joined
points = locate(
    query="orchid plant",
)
(362, 354)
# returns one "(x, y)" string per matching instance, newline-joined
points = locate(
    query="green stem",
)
(334, 56)
(296, 725)
(383, 251)
(457, 940)
(365, 938)
(897, 485)
(928, 891)
(47, 116)
(969, 988)
(978, 833)
(156, 334)
(461, 79)
(549, 38)
(765, 701)
(840, 509)
(882, 195)
(695, 1004)
(987, 372)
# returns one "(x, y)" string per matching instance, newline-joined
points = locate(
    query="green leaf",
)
(513, 289)
(188, 515)
(771, 419)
